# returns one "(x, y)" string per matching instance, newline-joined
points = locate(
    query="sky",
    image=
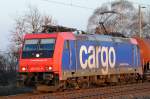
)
(69, 16)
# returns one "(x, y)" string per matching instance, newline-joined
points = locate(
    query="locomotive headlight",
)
(23, 69)
(50, 68)
(37, 55)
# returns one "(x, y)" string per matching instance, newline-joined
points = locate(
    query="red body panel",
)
(40, 64)
(59, 50)
(36, 65)
(41, 35)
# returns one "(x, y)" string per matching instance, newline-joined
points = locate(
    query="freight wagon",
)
(144, 45)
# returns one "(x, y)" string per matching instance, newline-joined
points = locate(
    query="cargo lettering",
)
(94, 57)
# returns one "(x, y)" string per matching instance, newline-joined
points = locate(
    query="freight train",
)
(69, 59)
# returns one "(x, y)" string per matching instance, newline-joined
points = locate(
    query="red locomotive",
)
(64, 57)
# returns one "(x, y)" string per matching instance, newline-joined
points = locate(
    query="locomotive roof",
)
(81, 35)
(88, 37)
(101, 37)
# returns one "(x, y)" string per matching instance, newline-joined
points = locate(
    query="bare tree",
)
(31, 22)
(125, 21)
(2, 63)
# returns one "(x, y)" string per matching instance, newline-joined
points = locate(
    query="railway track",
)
(110, 92)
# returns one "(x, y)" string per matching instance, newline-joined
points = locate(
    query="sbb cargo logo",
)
(96, 57)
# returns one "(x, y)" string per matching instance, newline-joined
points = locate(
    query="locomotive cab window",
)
(47, 44)
(30, 45)
(43, 47)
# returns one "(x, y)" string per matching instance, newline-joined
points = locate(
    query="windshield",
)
(39, 44)
(38, 48)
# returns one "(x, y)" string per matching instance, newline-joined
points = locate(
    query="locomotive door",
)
(135, 56)
(72, 55)
(68, 58)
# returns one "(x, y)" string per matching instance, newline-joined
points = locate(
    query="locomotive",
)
(66, 58)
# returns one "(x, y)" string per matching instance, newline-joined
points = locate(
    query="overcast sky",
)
(64, 15)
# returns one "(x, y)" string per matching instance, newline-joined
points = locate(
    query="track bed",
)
(129, 91)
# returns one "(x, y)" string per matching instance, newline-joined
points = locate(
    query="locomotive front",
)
(36, 59)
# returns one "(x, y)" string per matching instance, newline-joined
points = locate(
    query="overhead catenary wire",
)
(68, 4)
(85, 7)
(78, 5)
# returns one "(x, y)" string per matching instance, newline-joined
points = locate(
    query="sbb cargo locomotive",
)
(63, 59)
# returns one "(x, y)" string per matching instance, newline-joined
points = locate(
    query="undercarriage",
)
(35, 79)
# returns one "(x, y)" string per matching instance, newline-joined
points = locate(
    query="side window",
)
(67, 45)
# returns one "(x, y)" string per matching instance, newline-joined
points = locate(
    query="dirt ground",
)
(12, 90)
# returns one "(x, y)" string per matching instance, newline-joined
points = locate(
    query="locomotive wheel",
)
(30, 81)
(46, 88)
(84, 85)
(20, 83)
